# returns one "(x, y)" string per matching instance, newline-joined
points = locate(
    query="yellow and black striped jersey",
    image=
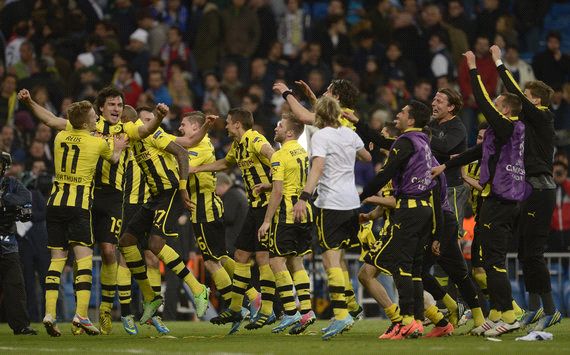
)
(473, 171)
(202, 186)
(254, 166)
(135, 188)
(108, 174)
(76, 153)
(159, 167)
(344, 122)
(290, 164)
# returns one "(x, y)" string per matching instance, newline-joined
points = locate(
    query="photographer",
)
(559, 239)
(15, 205)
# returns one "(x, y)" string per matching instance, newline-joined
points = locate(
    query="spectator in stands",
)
(235, 208)
(530, 18)
(267, 22)
(157, 88)
(521, 71)
(206, 34)
(175, 15)
(422, 91)
(125, 81)
(23, 67)
(560, 106)
(157, 31)
(124, 17)
(367, 48)
(8, 99)
(260, 75)
(559, 240)
(140, 56)
(231, 84)
(178, 88)
(342, 69)
(552, 66)
(441, 63)
(336, 40)
(380, 20)
(12, 51)
(291, 30)
(395, 61)
(487, 19)
(175, 50)
(458, 18)
(241, 33)
(506, 27)
(214, 92)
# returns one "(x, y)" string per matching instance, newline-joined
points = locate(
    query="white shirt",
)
(337, 189)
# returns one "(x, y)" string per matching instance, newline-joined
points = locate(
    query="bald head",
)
(129, 114)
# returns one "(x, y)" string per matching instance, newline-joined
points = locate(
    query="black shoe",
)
(26, 331)
(228, 316)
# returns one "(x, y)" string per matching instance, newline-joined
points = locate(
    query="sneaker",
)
(502, 328)
(261, 320)
(548, 321)
(51, 326)
(413, 330)
(480, 330)
(306, 320)
(456, 315)
(357, 314)
(129, 324)
(338, 327)
(202, 301)
(465, 318)
(26, 331)
(392, 330)
(255, 305)
(158, 324)
(149, 309)
(326, 329)
(438, 332)
(531, 317)
(76, 330)
(235, 325)
(286, 322)
(227, 316)
(105, 323)
(85, 324)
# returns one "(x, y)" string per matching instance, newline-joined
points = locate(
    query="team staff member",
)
(289, 240)
(503, 177)
(252, 153)
(334, 151)
(536, 211)
(408, 165)
(165, 167)
(76, 154)
(108, 196)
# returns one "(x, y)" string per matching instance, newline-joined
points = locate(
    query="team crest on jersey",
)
(275, 163)
(195, 154)
(256, 139)
(157, 134)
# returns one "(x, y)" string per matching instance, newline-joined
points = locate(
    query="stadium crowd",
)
(212, 56)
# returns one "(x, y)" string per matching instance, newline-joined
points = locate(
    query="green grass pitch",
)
(202, 337)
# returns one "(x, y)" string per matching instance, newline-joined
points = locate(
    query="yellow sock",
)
(284, 284)
(223, 284)
(449, 302)
(407, 319)
(518, 310)
(433, 314)
(442, 281)
(108, 286)
(481, 279)
(508, 316)
(393, 312)
(229, 264)
(53, 279)
(242, 276)
(336, 292)
(172, 260)
(303, 288)
(478, 317)
(124, 288)
(267, 283)
(83, 280)
(349, 292)
(494, 315)
(251, 293)
(137, 267)
(154, 278)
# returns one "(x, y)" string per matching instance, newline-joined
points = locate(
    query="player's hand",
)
(363, 218)
(307, 90)
(471, 61)
(280, 88)
(161, 111)
(495, 52)
(300, 210)
(435, 248)
(261, 187)
(24, 96)
(437, 170)
(193, 170)
(210, 119)
(120, 141)
(350, 116)
(262, 232)
(186, 199)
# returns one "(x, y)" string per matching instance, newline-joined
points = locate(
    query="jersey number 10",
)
(74, 159)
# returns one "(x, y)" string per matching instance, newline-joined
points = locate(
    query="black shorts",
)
(66, 225)
(211, 239)
(336, 229)
(129, 211)
(159, 216)
(290, 239)
(107, 212)
(247, 239)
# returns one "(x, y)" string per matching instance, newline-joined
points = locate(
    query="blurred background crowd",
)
(214, 55)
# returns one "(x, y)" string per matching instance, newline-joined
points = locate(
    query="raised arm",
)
(189, 142)
(462, 159)
(502, 126)
(304, 115)
(218, 165)
(152, 125)
(41, 113)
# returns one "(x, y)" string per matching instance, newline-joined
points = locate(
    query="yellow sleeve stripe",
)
(512, 79)
(486, 94)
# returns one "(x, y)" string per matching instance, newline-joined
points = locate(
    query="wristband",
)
(287, 93)
(305, 196)
(182, 184)
(498, 62)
